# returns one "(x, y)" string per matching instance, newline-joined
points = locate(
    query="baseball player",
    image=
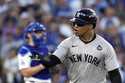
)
(28, 55)
(87, 56)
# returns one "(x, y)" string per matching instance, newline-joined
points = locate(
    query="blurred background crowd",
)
(55, 15)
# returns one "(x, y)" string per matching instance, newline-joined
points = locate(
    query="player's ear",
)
(29, 35)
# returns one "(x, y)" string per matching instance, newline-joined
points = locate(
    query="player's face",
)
(39, 34)
(80, 30)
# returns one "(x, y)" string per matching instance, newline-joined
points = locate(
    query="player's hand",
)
(45, 60)
(41, 66)
(50, 61)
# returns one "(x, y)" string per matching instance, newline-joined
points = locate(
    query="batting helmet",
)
(85, 16)
(34, 27)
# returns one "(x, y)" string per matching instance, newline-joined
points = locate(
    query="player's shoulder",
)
(69, 39)
(103, 41)
(23, 50)
(67, 42)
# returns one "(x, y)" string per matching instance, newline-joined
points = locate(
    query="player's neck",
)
(88, 37)
(30, 42)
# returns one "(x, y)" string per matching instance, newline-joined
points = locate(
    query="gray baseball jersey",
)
(87, 63)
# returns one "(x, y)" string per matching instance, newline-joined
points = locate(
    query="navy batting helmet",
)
(85, 16)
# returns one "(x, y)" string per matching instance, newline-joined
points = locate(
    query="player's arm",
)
(28, 72)
(47, 62)
(50, 61)
(58, 56)
(112, 65)
(115, 76)
(24, 62)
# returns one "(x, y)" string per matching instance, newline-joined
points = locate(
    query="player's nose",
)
(75, 29)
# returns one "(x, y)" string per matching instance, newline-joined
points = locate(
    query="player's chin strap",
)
(50, 61)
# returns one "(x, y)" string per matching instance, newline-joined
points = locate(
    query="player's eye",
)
(74, 24)
(38, 31)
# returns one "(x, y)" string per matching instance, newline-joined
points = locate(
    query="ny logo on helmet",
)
(78, 14)
(82, 14)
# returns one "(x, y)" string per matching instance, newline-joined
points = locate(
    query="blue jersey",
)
(29, 57)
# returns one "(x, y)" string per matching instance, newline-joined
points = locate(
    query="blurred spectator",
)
(38, 16)
(62, 8)
(121, 58)
(53, 36)
(11, 67)
(122, 34)
(45, 5)
(109, 25)
(10, 26)
(99, 5)
(65, 29)
(47, 18)
(2, 72)
(8, 32)
(113, 3)
(75, 5)
(24, 3)
(123, 3)
(3, 7)
(109, 18)
(25, 18)
(89, 3)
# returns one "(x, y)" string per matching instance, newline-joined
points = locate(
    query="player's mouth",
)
(75, 30)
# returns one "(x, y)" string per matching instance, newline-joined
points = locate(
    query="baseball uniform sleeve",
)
(111, 61)
(23, 58)
(62, 50)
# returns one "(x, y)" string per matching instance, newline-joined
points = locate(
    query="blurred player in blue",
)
(29, 54)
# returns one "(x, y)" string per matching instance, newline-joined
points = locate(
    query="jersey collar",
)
(94, 37)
